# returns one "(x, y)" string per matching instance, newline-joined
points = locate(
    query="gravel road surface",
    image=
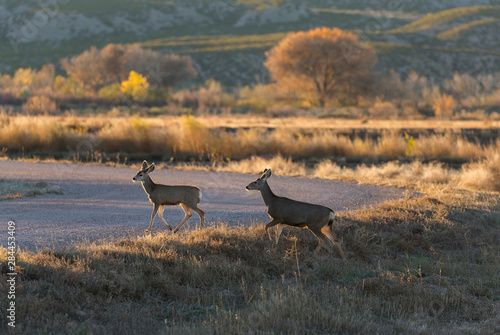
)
(102, 202)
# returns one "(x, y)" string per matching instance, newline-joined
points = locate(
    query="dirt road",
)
(101, 202)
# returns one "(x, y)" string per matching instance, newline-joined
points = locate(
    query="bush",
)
(444, 106)
(112, 91)
(135, 87)
(383, 110)
(258, 98)
(95, 68)
(40, 104)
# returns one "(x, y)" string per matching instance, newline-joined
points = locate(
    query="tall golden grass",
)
(483, 175)
(188, 135)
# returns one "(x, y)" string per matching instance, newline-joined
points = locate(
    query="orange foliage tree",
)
(321, 64)
(444, 106)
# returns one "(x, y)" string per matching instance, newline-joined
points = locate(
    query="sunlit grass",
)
(226, 43)
(388, 47)
(435, 19)
(454, 33)
(483, 175)
(189, 135)
(215, 43)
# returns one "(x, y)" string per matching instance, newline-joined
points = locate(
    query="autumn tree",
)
(321, 64)
(136, 86)
(444, 106)
(96, 68)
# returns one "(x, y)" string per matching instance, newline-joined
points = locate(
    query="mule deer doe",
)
(284, 211)
(188, 197)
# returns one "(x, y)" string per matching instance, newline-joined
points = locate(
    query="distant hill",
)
(227, 39)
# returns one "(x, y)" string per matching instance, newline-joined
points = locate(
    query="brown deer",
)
(284, 211)
(188, 197)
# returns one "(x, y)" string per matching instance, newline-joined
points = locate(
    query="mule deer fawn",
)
(188, 197)
(284, 211)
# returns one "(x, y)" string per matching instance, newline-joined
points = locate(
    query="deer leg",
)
(327, 230)
(321, 244)
(155, 210)
(321, 239)
(274, 222)
(160, 214)
(201, 214)
(188, 215)
(278, 232)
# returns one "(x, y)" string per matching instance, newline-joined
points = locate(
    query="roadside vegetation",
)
(177, 139)
(482, 175)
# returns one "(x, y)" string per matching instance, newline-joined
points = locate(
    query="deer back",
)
(174, 195)
(298, 213)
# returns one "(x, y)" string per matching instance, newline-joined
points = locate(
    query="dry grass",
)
(179, 136)
(417, 266)
(13, 189)
(483, 175)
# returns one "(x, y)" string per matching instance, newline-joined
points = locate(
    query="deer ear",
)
(151, 168)
(144, 165)
(266, 174)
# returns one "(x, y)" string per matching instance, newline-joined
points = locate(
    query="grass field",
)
(101, 138)
(421, 265)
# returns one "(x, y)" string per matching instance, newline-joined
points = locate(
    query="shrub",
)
(95, 68)
(112, 91)
(383, 110)
(258, 98)
(40, 104)
(68, 86)
(444, 106)
(135, 87)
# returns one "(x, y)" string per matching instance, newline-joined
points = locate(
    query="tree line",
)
(322, 67)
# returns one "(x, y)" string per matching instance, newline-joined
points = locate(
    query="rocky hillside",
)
(227, 39)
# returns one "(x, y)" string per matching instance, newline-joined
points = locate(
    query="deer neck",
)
(267, 194)
(148, 185)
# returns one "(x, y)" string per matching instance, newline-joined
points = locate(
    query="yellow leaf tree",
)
(321, 65)
(136, 86)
